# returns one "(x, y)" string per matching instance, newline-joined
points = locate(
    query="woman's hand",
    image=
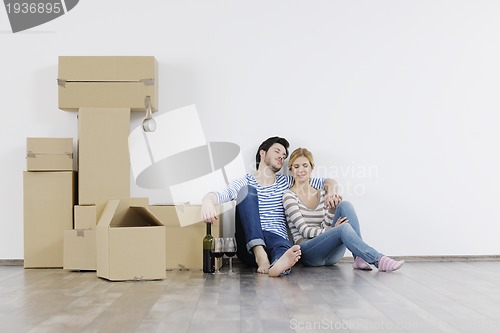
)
(332, 200)
(341, 220)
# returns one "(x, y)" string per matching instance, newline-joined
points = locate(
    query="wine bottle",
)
(208, 258)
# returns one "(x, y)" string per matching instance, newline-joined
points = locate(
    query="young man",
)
(260, 223)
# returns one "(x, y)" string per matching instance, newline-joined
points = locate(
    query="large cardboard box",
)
(107, 81)
(184, 232)
(80, 251)
(130, 242)
(49, 154)
(48, 211)
(103, 156)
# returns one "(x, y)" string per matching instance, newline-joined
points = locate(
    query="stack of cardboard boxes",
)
(49, 196)
(119, 232)
(122, 238)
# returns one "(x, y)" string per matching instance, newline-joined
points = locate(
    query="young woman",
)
(322, 232)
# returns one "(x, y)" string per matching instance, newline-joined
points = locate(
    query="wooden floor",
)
(421, 297)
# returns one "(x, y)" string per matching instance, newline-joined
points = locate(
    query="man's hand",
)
(208, 211)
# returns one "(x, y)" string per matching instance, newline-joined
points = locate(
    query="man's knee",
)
(245, 192)
(243, 204)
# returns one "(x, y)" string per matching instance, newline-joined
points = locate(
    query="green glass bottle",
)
(208, 258)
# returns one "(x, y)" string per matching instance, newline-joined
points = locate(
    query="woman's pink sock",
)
(360, 263)
(386, 264)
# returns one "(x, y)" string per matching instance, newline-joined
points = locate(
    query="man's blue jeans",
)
(249, 233)
(329, 247)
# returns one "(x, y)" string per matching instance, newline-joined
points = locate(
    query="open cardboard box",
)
(130, 242)
(184, 232)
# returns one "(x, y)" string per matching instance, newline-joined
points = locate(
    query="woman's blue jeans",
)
(249, 233)
(329, 247)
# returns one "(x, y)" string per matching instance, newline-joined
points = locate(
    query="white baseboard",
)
(439, 258)
(11, 262)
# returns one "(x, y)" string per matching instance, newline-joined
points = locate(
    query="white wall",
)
(395, 98)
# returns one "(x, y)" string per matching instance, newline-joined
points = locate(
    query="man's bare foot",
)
(287, 260)
(262, 260)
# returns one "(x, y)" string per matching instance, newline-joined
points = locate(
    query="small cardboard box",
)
(48, 211)
(103, 156)
(80, 250)
(184, 232)
(130, 242)
(107, 81)
(85, 217)
(49, 154)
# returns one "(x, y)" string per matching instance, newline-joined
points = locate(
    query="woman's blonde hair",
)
(300, 152)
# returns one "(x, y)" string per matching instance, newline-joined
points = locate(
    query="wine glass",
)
(230, 251)
(218, 252)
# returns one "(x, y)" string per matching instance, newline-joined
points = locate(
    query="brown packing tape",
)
(146, 82)
(31, 154)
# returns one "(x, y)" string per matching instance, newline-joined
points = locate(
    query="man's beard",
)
(267, 161)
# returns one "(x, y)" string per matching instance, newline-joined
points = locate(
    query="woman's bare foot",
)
(286, 261)
(261, 259)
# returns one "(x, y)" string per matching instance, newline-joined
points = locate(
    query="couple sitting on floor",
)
(322, 225)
